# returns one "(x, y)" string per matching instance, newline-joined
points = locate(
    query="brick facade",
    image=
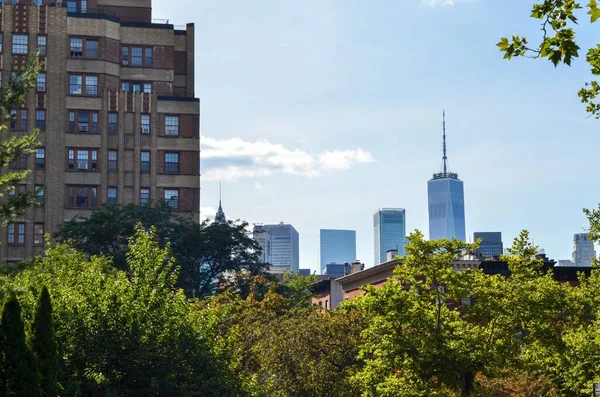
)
(112, 27)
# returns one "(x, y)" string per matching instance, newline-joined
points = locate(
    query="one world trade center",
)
(446, 198)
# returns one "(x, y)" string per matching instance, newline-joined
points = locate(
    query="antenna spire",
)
(219, 192)
(445, 158)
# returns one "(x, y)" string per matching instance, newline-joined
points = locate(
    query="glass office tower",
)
(283, 247)
(389, 226)
(337, 247)
(445, 193)
(491, 243)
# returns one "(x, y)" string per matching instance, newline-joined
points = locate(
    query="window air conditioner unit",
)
(125, 62)
(83, 128)
(82, 165)
(145, 129)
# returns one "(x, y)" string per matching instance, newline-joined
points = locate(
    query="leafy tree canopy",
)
(559, 20)
(204, 250)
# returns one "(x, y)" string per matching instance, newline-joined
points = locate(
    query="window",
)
(77, 6)
(171, 162)
(145, 161)
(172, 125)
(38, 234)
(77, 86)
(125, 55)
(172, 197)
(20, 189)
(136, 86)
(112, 123)
(39, 195)
(20, 163)
(41, 45)
(91, 49)
(40, 119)
(136, 56)
(0, 70)
(81, 196)
(20, 44)
(144, 195)
(91, 85)
(40, 158)
(145, 123)
(18, 119)
(16, 233)
(76, 47)
(148, 57)
(41, 82)
(79, 122)
(112, 160)
(1, 40)
(87, 159)
(112, 195)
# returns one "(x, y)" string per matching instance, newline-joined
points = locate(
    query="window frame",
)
(171, 167)
(144, 191)
(20, 163)
(42, 48)
(38, 238)
(41, 82)
(170, 200)
(82, 84)
(75, 126)
(73, 197)
(146, 130)
(18, 233)
(112, 164)
(20, 45)
(172, 129)
(146, 57)
(40, 157)
(76, 157)
(111, 200)
(39, 194)
(40, 124)
(143, 169)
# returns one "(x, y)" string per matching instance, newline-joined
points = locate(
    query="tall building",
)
(389, 226)
(337, 247)
(116, 109)
(220, 215)
(491, 243)
(263, 239)
(446, 198)
(280, 246)
(583, 250)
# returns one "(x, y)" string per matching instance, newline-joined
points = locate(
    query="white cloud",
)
(444, 2)
(207, 213)
(343, 160)
(236, 158)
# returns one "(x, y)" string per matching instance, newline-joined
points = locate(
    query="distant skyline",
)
(317, 112)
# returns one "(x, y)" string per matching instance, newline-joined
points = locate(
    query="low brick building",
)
(116, 109)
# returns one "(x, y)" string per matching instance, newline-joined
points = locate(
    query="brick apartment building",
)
(115, 105)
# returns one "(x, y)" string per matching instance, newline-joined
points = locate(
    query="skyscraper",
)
(280, 244)
(220, 215)
(115, 106)
(491, 243)
(446, 198)
(389, 226)
(337, 247)
(583, 250)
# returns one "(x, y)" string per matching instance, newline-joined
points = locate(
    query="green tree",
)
(44, 347)
(18, 376)
(11, 148)
(123, 333)
(558, 42)
(202, 250)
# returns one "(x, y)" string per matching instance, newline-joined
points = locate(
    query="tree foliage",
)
(44, 347)
(123, 333)
(558, 44)
(18, 370)
(202, 250)
(12, 97)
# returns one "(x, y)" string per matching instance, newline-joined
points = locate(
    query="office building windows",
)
(20, 44)
(172, 162)
(172, 125)
(172, 198)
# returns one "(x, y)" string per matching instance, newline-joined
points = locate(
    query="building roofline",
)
(177, 98)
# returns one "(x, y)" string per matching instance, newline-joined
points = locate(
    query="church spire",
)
(220, 215)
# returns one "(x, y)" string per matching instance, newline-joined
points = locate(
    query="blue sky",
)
(318, 112)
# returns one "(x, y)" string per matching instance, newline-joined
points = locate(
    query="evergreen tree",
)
(19, 373)
(44, 347)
